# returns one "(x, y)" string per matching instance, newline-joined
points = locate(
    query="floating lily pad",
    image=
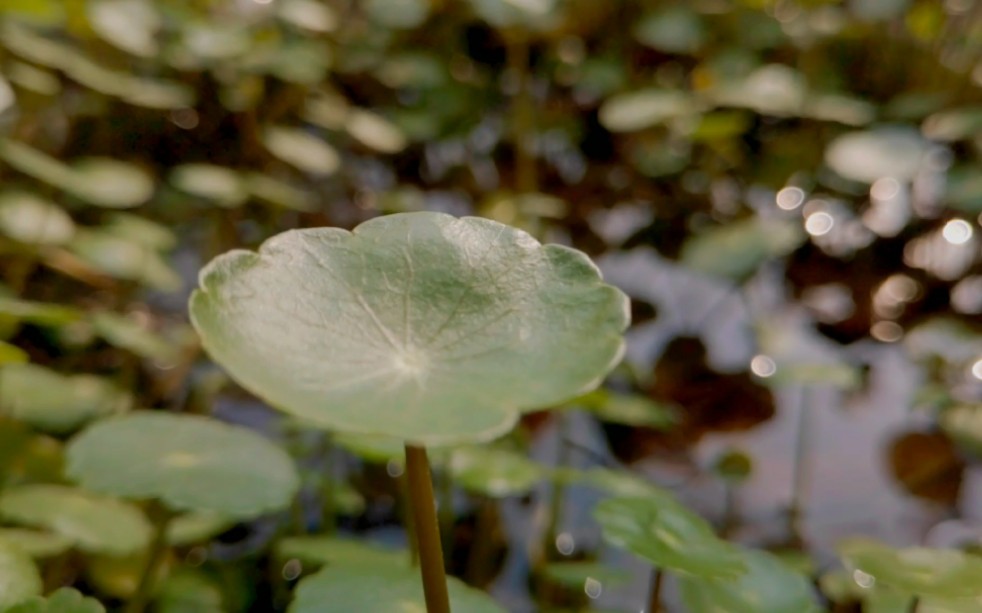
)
(216, 183)
(645, 108)
(62, 600)
(774, 89)
(92, 523)
(193, 528)
(767, 586)
(109, 183)
(383, 589)
(674, 29)
(54, 402)
(19, 578)
(920, 571)
(535, 14)
(101, 181)
(342, 552)
(125, 333)
(130, 25)
(669, 536)
(190, 463)
(375, 131)
(124, 258)
(494, 472)
(35, 543)
(30, 219)
(737, 249)
(418, 326)
(190, 591)
(271, 189)
(866, 156)
(397, 14)
(301, 150)
(308, 15)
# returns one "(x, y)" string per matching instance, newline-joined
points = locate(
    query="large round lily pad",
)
(382, 589)
(419, 326)
(190, 463)
(19, 578)
(768, 586)
(668, 535)
(92, 523)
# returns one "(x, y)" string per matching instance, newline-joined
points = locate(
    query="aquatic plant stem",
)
(654, 595)
(914, 604)
(161, 518)
(800, 467)
(427, 530)
(522, 111)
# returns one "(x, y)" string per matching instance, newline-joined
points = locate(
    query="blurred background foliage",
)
(789, 190)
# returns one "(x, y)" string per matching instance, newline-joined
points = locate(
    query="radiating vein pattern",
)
(419, 325)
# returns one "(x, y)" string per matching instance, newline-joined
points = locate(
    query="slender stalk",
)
(522, 112)
(161, 518)
(558, 489)
(480, 549)
(654, 595)
(445, 512)
(329, 489)
(915, 603)
(427, 530)
(800, 478)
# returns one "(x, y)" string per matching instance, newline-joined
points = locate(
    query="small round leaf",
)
(419, 326)
(62, 600)
(30, 219)
(344, 552)
(494, 472)
(381, 589)
(767, 586)
(920, 571)
(54, 402)
(19, 578)
(93, 523)
(190, 463)
(669, 536)
(35, 543)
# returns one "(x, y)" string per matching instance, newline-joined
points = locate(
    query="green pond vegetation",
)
(490, 305)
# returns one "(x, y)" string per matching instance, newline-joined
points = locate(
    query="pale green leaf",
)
(91, 522)
(57, 403)
(62, 600)
(301, 150)
(382, 589)
(419, 326)
(36, 543)
(189, 462)
(31, 219)
(921, 571)
(669, 536)
(767, 586)
(19, 577)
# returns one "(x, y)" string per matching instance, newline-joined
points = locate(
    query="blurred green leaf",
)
(92, 523)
